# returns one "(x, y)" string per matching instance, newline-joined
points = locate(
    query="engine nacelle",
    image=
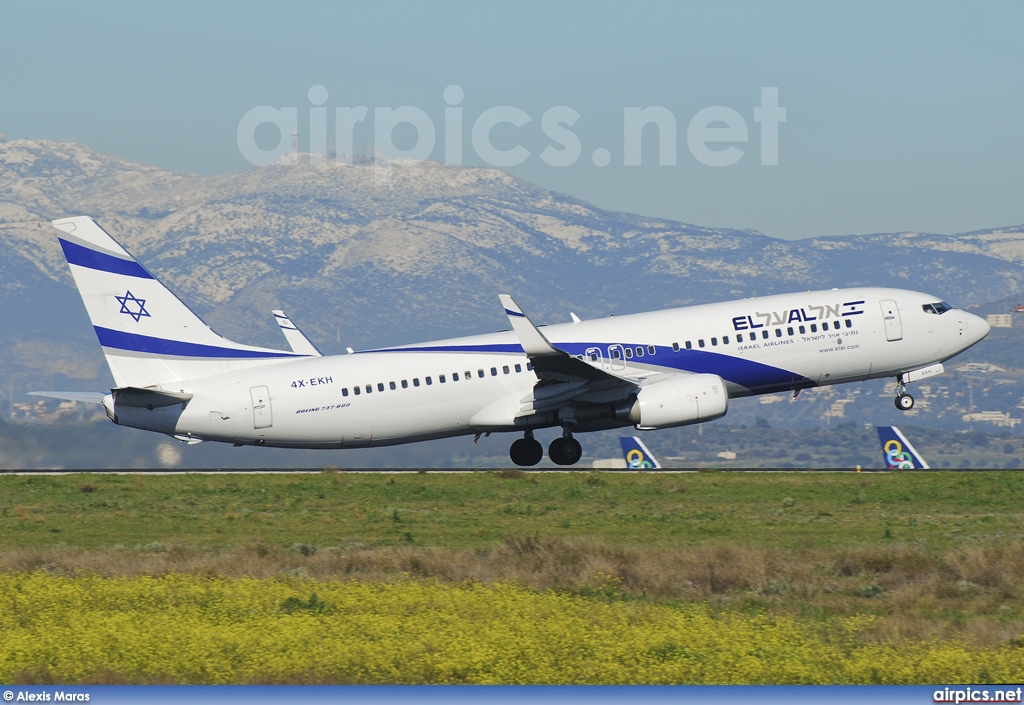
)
(678, 401)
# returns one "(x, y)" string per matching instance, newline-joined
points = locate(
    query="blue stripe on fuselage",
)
(120, 340)
(755, 376)
(101, 261)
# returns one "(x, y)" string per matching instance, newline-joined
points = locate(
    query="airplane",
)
(637, 455)
(898, 452)
(174, 375)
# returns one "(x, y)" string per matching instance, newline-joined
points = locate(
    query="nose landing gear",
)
(526, 451)
(904, 402)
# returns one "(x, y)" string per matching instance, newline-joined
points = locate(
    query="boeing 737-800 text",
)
(173, 374)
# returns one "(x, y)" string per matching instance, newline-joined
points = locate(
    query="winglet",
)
(533, 341)
(299, 343)
(549, 362)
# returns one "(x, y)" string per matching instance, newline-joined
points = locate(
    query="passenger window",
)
(689, 345)
(651, 350)
(519, 368)
(440, 378)
(593, 357)
(789, 331)
(764, 334)
(356, 391)
(380, 386)
(629, 352)
(505, 369)
(849, 323)
(429, 381)
(639, 351)
(415, 381)
(344, 391)
(725, 340)
(616, 354)
(778, 332)
(468, 375)
(675, 347)
(714, 342)
(480, 373)
(700, 343)
(455, 376)
(802, 330)
(739, 337)
(405, 384)
(529, 365)
(392, 385)
(494, 372)
(369, 389)
(814, 327)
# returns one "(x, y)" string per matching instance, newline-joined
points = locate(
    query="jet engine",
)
(677, 401)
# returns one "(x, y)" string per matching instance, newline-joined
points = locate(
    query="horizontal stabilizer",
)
(84, 397)
(148, 398)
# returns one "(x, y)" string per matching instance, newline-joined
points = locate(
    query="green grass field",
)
(477, 510)
(928, 558)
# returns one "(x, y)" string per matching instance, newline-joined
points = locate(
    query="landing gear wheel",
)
(904, 402)
(526, 452)
(565, 451)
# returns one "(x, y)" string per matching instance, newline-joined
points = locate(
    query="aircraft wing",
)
(563, 378)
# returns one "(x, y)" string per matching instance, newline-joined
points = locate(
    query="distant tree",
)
(976, 438)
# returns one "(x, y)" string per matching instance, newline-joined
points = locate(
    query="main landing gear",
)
(904, 402)
(527, 450)
(565, 450)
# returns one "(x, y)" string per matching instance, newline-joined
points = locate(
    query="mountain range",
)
(364, 262)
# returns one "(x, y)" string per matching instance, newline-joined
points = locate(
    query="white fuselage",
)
(476, 384)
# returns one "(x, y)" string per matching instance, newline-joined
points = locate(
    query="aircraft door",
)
(617, 357)
(262, 414)
(594, 357)
(891, 317)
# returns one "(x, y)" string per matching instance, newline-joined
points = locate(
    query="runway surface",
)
(454, 471)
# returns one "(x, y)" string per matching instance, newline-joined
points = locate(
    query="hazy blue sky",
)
(899, 115)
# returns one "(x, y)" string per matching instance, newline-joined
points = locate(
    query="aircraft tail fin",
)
(148, 335)
(637, 455)
(898, 452)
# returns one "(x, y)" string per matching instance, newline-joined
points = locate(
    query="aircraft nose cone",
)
(977, 328)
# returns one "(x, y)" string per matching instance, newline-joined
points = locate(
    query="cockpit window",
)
(937, 308)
